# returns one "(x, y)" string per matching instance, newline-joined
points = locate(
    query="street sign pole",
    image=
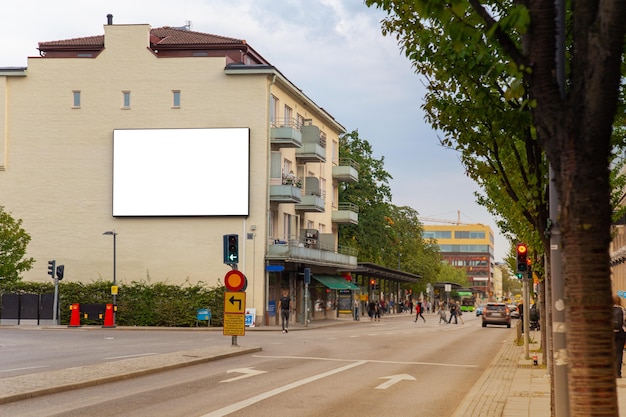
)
(307, 281)
(233, 341)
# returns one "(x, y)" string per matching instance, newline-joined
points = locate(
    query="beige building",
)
(172, 139)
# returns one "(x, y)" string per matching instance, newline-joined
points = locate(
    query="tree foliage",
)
(13, 243)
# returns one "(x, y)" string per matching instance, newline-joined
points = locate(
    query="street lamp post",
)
(114, 290)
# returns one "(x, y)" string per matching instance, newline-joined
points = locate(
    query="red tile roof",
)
(159, 36)
(165, 42)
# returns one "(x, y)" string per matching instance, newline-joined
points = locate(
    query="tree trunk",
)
(574, 128)
(585, 226)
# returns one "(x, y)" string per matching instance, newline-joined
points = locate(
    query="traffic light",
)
(522, 257)
(51, 268)
(231, 249)
(60, 271)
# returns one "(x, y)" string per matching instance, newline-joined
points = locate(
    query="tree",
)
(572, 118)
(387, 235)
(371, 194)
(13, 243)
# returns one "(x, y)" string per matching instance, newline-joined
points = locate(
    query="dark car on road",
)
(496, 313)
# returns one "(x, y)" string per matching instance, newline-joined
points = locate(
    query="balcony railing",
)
(297, 249)
(286, 133)
(347, 170)
(311, 203)
(313, 145)
(346, 213)
(286, 193)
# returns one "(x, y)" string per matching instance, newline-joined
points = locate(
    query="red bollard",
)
(109, 320)
(75, 317)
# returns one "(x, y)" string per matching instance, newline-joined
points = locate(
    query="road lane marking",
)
(23, 369)
(257, 398)
(130, 356)
(368, 361)
(247, 372)
(394, 379)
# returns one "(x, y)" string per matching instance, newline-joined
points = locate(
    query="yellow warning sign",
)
(234, 302)
(234, 324)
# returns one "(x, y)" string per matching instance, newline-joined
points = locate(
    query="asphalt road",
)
(390, 368)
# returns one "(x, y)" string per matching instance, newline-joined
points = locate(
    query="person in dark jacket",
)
(285, 310)
(453, 312)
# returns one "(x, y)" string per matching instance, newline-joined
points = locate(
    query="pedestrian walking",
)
(377, 309)
(453, 313)
(459, 312)
(370, 310)
(356, 309)
(285, 310)
(442, 316)
(418, 312)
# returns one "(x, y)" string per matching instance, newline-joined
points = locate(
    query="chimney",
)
(109, 19)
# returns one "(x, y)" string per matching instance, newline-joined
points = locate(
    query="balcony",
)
(297, 251)
(313, 145)
(346, 171)
(287, 193)
(286, 134)
(311, 200)
(311, 203)
(347, 213)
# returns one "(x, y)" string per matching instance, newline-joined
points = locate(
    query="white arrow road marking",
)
(253, 400)
(394, 379)
(247, 372)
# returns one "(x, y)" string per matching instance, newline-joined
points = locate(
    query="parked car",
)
(479, 309)
(513, 311)
(496, 313)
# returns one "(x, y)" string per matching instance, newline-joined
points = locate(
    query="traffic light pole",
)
(55, 303)
(525, 315)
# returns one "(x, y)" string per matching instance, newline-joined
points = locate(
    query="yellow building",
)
(171, 139)
(468, 247)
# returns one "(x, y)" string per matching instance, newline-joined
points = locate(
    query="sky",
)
(333, 50)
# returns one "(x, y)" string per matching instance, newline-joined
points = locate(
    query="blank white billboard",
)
(181, 172)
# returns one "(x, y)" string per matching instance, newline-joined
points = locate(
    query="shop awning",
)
(335, 282)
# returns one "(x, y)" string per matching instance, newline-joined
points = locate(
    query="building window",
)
(288, 116)
(469, 234)
(76, 96)
(126, 99)
(176, 99)
(437, 234)
(273, 110)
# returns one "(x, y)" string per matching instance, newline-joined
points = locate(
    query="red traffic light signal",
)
(522, 257)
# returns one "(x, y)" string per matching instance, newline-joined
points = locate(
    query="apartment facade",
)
(469, 247)
(169, 139)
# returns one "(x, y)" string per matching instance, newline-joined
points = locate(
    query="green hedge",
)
(140, 303)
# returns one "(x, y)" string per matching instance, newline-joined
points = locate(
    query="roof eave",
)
(239, 69)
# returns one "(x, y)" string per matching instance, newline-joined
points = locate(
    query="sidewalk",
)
(512, 386)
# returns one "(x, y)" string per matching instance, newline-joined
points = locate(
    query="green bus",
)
(467, 301)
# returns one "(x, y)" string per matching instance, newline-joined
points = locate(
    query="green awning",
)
(335, 282)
